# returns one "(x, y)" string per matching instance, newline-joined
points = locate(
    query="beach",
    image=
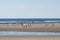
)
(31, 28)
(29, 37)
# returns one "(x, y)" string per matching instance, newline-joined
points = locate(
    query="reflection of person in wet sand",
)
(49, 24)
(46, 24)
(52, 24)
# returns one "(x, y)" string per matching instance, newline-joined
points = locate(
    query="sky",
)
(29, 8)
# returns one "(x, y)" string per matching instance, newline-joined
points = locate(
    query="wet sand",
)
(29, 37)
(31, 28)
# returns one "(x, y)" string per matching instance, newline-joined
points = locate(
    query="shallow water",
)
(10, 33)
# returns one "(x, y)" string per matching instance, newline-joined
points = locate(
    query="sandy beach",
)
(29, 37)
(32, 28)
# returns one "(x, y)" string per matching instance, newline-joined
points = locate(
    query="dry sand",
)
(29, 37)
(32, 28)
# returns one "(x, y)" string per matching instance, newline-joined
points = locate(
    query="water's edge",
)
(15, 33)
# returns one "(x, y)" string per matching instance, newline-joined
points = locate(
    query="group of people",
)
(26, 25)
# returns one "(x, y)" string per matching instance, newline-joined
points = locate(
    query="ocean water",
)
(31, 20)
(10, 33)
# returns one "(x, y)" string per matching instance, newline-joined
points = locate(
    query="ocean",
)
(30, 20)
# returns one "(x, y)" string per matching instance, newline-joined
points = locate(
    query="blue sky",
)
(29, 8)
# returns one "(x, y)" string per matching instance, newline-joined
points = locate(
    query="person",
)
(21, 24)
